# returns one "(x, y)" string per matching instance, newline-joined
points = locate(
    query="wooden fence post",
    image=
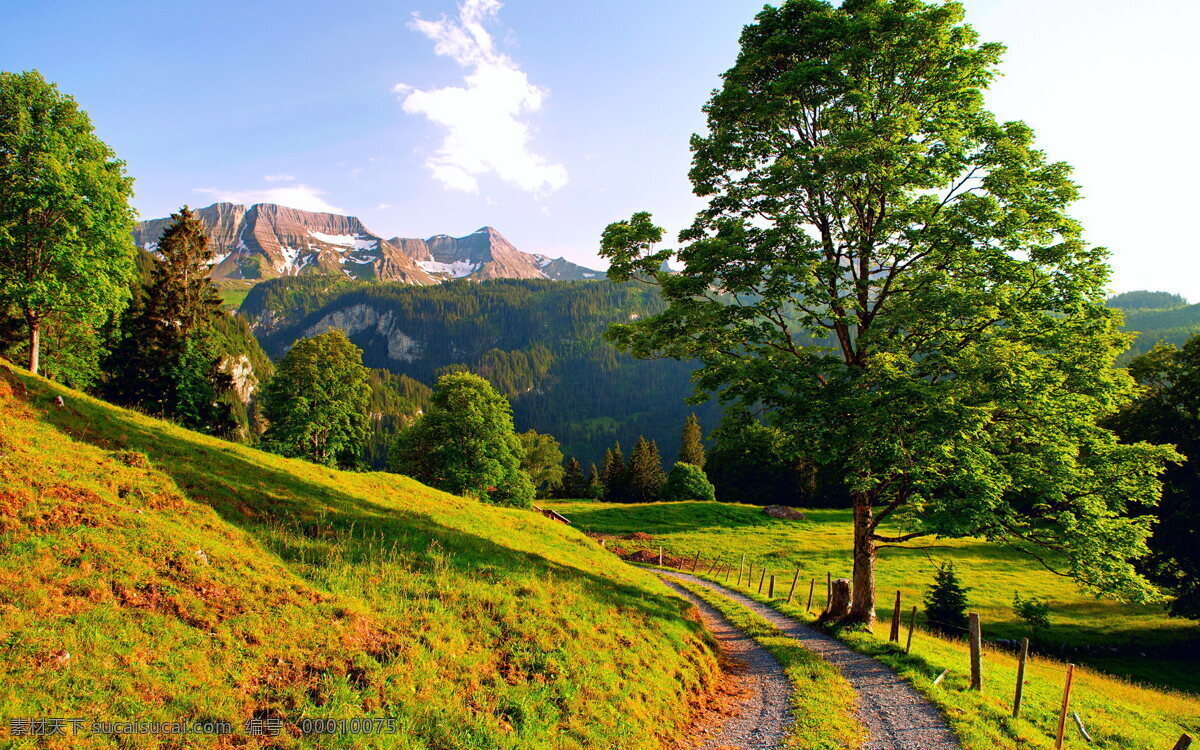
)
(976, 651)
(741, 565)
(728, 570)
(1020, 678)
(812, 584)
(750, 575)
(828, 587)
(894, 636)
(1062, 715)
(713, 566)
(660, 556)
(912, 625)
(762, 577)
(696, 561)
(792, 590)
(1185, 742)
(771, 588)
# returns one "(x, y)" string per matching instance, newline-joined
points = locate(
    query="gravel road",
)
(766, 708)
(895, 715)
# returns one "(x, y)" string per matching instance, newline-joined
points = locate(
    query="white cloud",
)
(384, 205)
(302, 197)
(483, 120)
(279, 178)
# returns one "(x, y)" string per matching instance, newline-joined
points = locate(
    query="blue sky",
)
(549, 119)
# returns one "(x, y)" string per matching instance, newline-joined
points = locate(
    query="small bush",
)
(1035, 612)
(688, 482)
(946, 601)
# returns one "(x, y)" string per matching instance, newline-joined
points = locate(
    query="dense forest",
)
(539, 342)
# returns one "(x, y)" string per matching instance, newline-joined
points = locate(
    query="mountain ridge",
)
(267, 240)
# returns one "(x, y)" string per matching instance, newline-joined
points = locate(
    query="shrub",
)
(688, 482)
(1035, 612)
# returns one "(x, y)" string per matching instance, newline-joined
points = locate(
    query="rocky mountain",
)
(268, 241)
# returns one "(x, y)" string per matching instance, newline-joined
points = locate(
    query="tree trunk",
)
(862, 604)
(35, 342)
(838, 606)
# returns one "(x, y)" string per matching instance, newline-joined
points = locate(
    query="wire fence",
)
(1068, 712)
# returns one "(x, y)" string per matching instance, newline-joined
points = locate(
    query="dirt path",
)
(764, 707)
(895, 715)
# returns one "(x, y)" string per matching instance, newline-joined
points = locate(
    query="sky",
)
(549, 119)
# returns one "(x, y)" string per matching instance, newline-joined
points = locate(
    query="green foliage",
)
(946, 601)
(173, 339)
(316, 403)
(542, 461)
(687, 482)
(66, 253)
(616, 478)
(575, 484)
(646, 475)
(903, 291)
(1034, 611)
(1145, 300)
(595, 484)
(753, 462)
(397, 401)
(466, 444)
(538, 342)
(1168, 411)
(691, 443)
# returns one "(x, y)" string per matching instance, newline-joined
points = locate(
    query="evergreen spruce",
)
(595, 485)
(946, 602)
(691, 448)
(574, 481)
(616, 475)
(168, 362)
(646, 477)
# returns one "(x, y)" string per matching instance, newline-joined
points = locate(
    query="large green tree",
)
(466, 444)
(646, 475)
(316, 403)
(168, 361)
(893, 275)
(66, 249)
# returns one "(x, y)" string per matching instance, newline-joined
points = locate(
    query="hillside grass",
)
(148, 572)
(823, 702)
(821, 543)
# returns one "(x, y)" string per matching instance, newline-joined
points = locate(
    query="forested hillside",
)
(1157, 317)
(539, 342)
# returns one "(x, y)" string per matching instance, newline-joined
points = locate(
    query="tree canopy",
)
(893, 275)
(466, 444)
(66, 248)
(317, 401)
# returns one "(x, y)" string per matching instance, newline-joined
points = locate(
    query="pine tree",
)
(168, 362)
(691, 449)
(946, 601)
(646, 472)
(595, 485)
(574, 482)
(616, 475)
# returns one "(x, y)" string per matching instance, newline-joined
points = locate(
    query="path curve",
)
(896, 716)
(762, 718)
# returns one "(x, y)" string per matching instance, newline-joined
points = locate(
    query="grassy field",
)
(823, 702)
(148, 572)
(821, 544)
(234, 291)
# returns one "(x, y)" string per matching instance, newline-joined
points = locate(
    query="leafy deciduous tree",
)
(466, 443)
(892, 273)
(66, 249)
(687, 482)
(542, 460)
(316, 402)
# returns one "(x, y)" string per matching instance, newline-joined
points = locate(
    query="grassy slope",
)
(822, 543)
(1118, 714)
(213, 580)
